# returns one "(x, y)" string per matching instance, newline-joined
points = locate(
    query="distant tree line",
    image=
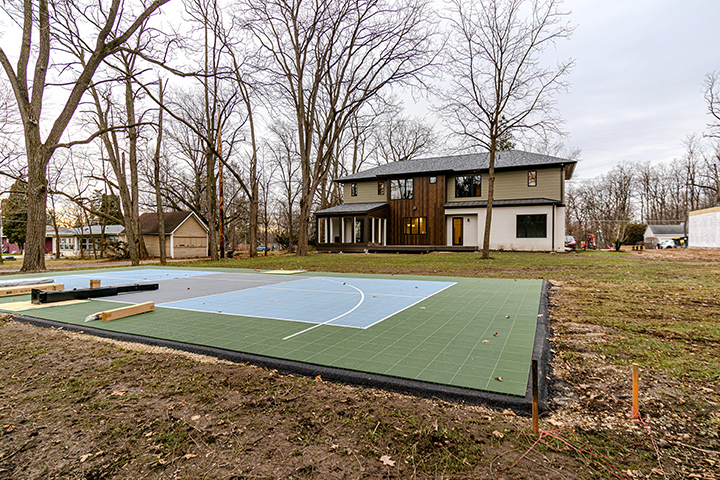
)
(645, 194)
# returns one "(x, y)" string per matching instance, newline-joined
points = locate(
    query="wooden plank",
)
(26, 289)
(94, 283)
(127, 311)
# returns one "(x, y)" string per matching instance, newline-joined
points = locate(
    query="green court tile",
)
(440, 343)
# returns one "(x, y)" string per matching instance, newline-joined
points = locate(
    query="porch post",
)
(342, 229)
(372, 230)
(354, 228)
(384, 242)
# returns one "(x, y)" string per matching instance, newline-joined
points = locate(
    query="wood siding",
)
(367, 192)
(429, 200)
(513, 185)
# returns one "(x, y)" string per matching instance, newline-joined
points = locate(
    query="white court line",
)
(402, 310)
(362, 299)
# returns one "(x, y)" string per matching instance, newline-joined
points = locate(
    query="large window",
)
(67, 243)
(401, 189)
(467, 186)
(353, 189)
(415, 225)
(381, 188)
(532, 226)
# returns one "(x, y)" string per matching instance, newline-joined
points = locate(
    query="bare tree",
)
(499, 87)
(156, 178)
(110, 33)
(404, 138)
(328, 59)
(712, 97)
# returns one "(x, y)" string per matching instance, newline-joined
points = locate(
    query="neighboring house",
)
(440, 204)
(186, 235)
(656, 234)
(85, 240)
(704, 228)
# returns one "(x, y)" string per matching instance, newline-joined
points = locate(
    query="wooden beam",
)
(27, 289)
(127, 311)
(95, 283)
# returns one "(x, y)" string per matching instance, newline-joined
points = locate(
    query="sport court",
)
(470, 333)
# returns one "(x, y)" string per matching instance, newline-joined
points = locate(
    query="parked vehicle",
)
(670, 243)
(570, 242)
(262, 248)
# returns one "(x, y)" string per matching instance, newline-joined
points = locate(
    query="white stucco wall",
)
(704, 228)
(503, 232)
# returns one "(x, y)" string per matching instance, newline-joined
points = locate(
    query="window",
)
(401, 189)
(532, 178)
(353, 189)
(415, 225)
(90, 244)
(467, 186)
(532, 226)
(358, 230)
(67, 243)
(433, 179)
(381, 188)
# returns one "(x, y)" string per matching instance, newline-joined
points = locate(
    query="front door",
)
(457, 230)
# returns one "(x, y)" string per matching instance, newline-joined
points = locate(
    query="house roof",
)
(502, 203)
(473, 162)
(149, 221)
(666, 229)
(347, 208)
(80, 231)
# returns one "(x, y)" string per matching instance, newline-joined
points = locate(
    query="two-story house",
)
(440, 203)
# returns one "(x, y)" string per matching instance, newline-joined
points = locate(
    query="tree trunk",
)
(491, 196)
(38, 158)
(156, 179)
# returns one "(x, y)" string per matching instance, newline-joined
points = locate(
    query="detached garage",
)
(704, 228)
(186, 236)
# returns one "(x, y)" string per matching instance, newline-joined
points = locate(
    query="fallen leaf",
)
(188, 456)
(507, 316)
(85, 457)
(333, 447)
(495, 334)
(498, 434)
(318, 378)
(118, 393)
(385, 459)
(499, 379)
(149, 434)
(195, 418)
(486, 341)
(554, 422)
(509, 412)
(657, 471)
(422, 308)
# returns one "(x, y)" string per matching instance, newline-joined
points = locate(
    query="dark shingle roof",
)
(149, 222)
(353, 208)
(667, 229)
(473, 162)
(502, 203)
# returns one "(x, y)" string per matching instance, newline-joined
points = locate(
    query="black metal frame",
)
(37, 296)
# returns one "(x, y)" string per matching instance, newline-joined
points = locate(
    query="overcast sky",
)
(636, 90)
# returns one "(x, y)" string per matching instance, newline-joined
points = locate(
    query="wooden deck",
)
(363, 248)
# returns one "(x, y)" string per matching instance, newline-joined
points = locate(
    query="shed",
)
(655, 234)
(704, 228)
(186, 235)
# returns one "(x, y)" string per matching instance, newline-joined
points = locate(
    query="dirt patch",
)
(682, 254)
(74, 406)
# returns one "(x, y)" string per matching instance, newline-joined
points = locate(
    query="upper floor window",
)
(532, 178)
(401, 189)
(353, 189)
(433, 179)
(381, 188)
(467, 186)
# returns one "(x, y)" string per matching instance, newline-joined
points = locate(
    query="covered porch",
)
(354, 227)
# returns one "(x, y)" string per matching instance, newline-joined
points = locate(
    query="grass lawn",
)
(76, 407)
